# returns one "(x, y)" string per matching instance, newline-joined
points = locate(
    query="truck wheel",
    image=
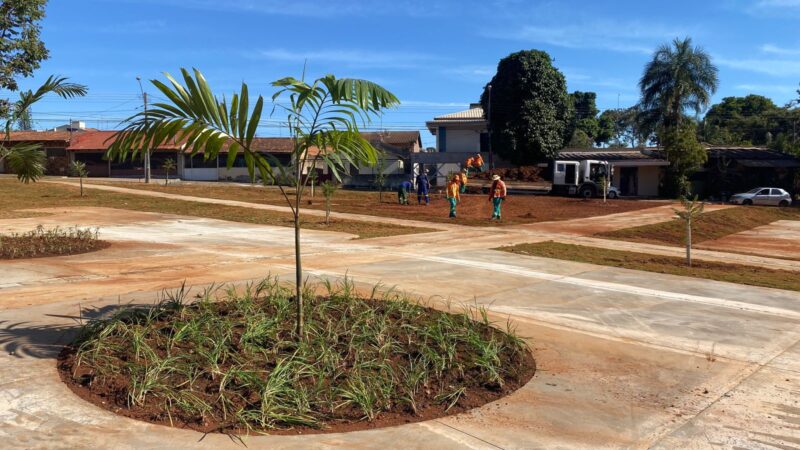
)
(587, 192)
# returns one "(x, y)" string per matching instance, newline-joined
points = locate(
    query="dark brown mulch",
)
(112, 394)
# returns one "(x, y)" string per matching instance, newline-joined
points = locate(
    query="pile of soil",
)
(101, 365)
(526, 174)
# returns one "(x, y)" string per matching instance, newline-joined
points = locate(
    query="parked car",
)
(763, 196)
(613, 192)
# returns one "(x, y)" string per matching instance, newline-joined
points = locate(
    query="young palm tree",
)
(323, 119)
(78, 169)
(168, 166)
(27, 161)
(678, 78)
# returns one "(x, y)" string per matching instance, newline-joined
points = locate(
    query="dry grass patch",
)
(474, 209)
(709, 226)
(733, 273)
(17, 196)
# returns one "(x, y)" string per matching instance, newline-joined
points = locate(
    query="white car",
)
(613, 192)
(763, 196)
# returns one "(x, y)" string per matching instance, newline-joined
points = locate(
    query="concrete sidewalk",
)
(626, 359)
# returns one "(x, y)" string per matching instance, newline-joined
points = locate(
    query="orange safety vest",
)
(452, 190)
(478, 161)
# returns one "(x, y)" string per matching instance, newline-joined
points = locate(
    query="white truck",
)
(582, 178)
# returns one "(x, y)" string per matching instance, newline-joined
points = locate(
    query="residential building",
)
(640, 171)
(459, 135)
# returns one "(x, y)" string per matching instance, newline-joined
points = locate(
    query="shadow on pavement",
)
(45, 340)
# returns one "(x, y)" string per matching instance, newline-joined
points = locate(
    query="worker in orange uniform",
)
(469, 163)
(453, 195)
(462, 181)
(497, 194)
(477, 163)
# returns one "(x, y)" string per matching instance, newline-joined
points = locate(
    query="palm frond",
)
(27, 161)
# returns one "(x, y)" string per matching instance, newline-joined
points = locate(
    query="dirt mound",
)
(528, 174)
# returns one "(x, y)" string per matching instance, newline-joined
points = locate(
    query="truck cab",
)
(581, 178)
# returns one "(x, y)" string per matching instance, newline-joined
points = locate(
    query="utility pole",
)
(147, 151)
(489, 123)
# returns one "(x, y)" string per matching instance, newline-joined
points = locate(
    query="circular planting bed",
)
(41, 242)
(235, 364)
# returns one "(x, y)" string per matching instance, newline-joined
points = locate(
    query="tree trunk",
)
(689, 242)
(81, 181)
(327, 211)
(297, 259)
(147, 166)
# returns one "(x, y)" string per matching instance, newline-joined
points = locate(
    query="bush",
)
(53, 242)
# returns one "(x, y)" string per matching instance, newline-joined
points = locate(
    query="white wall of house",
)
(647, 179)
(462, 140)
(210, 174)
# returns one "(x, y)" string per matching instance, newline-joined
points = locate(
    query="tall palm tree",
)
(680, 77)
(323, 119)
(27, 161)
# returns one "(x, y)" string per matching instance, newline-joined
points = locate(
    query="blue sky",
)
(434, 55)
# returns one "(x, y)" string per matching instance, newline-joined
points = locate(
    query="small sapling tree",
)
(168, 166)
(691, 210)
(78, 169)
(328, 189)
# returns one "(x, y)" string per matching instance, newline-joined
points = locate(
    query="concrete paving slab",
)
(624, 357)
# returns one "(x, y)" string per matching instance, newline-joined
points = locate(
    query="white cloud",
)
(364, 59)
(775, 50)
(595, 33)
(774, 67)
(482, 73)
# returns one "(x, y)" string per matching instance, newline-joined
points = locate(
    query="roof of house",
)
(746, 156)
(41, 136)
(474, 113)
(398, 138)
(606, 154)
(101, 140)
(472, 117)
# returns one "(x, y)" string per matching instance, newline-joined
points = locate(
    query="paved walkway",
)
(569, 232)
(626, 359)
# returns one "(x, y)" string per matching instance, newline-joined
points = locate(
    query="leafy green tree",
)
(21, 52)
(168, 166)
(685, 155)
(580, 140)
(323, 119)
(680, 77)
(27, 161)
(585, 124)
(621, 128)
(21, 49)
(78, 169)
(530, 108)
(749, 120)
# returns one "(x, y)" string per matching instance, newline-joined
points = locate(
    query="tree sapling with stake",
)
(78, 169)
(690, 212)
